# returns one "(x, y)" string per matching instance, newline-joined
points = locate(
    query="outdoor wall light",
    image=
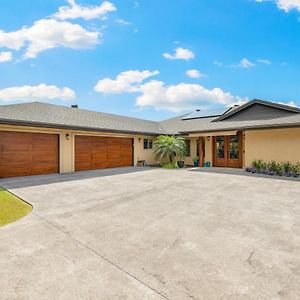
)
(139, 140)
(67, 136)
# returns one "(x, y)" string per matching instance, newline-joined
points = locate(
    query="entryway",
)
(227, 151)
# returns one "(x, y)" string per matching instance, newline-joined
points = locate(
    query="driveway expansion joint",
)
(102, 257)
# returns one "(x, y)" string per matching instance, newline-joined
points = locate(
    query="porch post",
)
(201, 160)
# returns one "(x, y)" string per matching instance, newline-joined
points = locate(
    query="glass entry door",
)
(220, 151)
(233, 151)
(227, 151)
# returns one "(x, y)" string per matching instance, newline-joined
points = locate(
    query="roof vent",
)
(74, 106)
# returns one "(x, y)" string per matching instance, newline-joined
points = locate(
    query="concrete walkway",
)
(152, 234)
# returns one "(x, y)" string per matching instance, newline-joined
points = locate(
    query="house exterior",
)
(40, 138)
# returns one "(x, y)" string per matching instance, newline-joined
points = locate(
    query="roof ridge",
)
(79, 109)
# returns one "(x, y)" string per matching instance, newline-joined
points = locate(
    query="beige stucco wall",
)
(273, 144)
(143, 154)
(66, 152)
(208, 149)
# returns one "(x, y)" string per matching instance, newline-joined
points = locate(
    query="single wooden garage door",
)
(94, 152)
(24, 154)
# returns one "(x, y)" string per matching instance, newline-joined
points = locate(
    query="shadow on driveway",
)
(26, 181)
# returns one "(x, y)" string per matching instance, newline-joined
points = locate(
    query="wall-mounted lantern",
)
(68, 136)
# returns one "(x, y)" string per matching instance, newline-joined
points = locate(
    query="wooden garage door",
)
(24, 154)
(93, 152)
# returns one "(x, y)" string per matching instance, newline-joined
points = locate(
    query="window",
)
(148, 144)
(188, 148)
(220, 147)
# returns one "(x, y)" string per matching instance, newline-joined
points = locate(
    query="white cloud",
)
(194, 74)
(244, 63)
(157, 94)
(75, 11)
(40, 92)
(180, 53)
(288, 5)
(5, 56)
(123, 22)
(218, 63)
(127, 81)
(48, 33)
(182, 96)
(264, 61)
(285, 5)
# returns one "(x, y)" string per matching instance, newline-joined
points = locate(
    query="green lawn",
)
(11, 207)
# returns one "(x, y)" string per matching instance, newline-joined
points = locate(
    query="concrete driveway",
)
(152, 234)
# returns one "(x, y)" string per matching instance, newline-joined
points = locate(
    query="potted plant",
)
(196, 161)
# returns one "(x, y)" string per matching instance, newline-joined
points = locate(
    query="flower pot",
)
(180, 164)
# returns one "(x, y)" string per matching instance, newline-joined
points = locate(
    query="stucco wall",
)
(143, 154)
(189, 159)
(208, 150)
(66, 152)
(275, 144)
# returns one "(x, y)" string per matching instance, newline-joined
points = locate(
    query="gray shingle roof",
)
(43, 114)
(49, 115)
(206, 124)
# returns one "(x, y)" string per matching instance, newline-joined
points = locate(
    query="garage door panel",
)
(46, 168)
(102, 152)
(9, 157)
(28, 154)
(15, 170)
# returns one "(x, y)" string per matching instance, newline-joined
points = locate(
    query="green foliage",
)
(169, 147)
(273, 167)
(287, 167)
(258, 164)
(195, 159)
(172, 165)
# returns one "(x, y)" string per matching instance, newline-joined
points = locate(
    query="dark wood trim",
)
(201, 154)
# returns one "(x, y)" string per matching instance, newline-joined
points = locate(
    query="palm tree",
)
(169, 147)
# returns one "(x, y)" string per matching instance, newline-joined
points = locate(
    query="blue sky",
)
(149, 59)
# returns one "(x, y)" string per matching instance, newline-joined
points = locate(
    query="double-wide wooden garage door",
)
(24, 154)
(93, 152)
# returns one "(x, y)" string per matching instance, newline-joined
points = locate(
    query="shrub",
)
(259, 165)
(172, 165)
(287, 167)
(273, 167)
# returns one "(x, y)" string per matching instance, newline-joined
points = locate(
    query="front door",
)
(228, 151)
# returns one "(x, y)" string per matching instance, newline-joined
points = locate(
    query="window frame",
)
(148, 144)
(188, 148)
